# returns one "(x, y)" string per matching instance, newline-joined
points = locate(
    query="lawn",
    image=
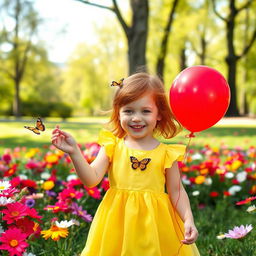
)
(14, 134)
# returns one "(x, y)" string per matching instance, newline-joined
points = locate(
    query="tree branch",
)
(246, 5)
(216, 12)
(249, 45)
(94, 4)
(120, 18)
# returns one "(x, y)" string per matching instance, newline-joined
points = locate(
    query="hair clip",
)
(119, 83)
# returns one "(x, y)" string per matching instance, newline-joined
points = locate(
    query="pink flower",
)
(13, 241)
(14, 212)
(239, 232)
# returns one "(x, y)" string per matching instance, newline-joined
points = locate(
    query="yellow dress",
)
(136, 217)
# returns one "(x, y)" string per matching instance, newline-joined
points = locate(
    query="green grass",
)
(14, 134)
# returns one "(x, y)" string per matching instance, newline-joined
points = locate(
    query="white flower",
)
(251, 208)
(186, 181)
(28, 254)
(195, 193)
(229, 175)
(208, 181)
(45, 175)
(1, 229)
(232, 190)
(64, 223)
(23, 177)
(197, 156)
(71, 177)
(5, 200)
(221, 236)
(241, 177)
(4, 184)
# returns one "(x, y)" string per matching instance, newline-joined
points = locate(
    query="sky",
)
(68, 23)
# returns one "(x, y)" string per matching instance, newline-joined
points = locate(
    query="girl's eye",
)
(146, 111)
(128, 111)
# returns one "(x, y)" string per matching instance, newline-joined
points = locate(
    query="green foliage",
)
(44, 109)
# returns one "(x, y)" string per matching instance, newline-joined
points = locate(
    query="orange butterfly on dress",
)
(139, 164)
(39, 127)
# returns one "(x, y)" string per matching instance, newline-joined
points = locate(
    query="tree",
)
(136, 33)
(233, 57)
(19, 39)
(164, 42)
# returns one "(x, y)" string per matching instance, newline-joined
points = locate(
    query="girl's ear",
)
(158, 118)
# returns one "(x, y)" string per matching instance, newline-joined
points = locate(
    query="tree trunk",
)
(137, 36)
(183, 59)
(232, 64)
(164, 42)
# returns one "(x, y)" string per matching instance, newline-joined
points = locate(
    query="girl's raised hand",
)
(63, 140)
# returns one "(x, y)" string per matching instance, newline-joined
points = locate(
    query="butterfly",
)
(139, 164)
(119, 83)
(39, 127)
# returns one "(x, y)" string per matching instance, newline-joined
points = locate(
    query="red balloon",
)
(199, 97)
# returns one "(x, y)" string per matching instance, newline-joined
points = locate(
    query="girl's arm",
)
(90, 175)
(180, 200)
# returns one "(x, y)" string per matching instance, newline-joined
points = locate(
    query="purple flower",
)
(239, 232)
(51, 193)
(30, 202)
(78, 210)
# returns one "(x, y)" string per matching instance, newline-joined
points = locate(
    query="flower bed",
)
(45, 210)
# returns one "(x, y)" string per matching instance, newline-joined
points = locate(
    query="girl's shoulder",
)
(108, 140)
(174, 152)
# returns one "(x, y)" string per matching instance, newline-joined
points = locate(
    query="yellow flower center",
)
(72, 194)
(2, 187)
(15, 213)
(91, 191)
(14, 243)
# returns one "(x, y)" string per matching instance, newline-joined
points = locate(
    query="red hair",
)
(136, 86)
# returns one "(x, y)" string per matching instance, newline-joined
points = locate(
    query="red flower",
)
(7, 158)
(26, 226)
(14, 212)
(13, 241)
(105, 184)
(246, 201)
(226, 193)
(69, 193)
(11, 170)
(28, 183)
(93, 192)
(33, 213)
(214, 194)
(59, 206)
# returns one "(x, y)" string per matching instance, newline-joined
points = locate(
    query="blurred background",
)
(58, 57)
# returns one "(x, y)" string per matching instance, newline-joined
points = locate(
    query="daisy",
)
(13, 241)
(64, 223)
(55, 233)
(14, 212)
(5, 200)
(251, 208)
(4, 184)
(239, 232)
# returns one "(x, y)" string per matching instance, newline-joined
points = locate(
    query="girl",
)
(136, 217)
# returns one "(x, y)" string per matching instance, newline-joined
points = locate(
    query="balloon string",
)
(190, 136)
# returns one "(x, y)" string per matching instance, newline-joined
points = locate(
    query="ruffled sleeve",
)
(174, 153)
(108, 140)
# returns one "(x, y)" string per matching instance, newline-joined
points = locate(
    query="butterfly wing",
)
(33, 129)
(143, 163)
(135, 162)
(39, 124)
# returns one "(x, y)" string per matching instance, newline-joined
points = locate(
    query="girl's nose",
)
(136, 118)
